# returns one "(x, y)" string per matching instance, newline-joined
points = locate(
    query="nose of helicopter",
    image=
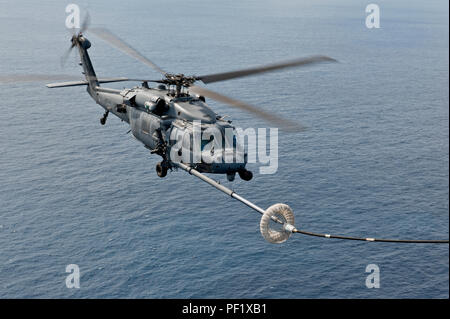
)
(224, 161)
(224, 156)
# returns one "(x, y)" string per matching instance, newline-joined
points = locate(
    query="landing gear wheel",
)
(161, 170)
(245, 175)
(230, 176)
(103, 119)
(277, 233)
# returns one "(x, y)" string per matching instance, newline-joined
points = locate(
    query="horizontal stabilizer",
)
(84, 82)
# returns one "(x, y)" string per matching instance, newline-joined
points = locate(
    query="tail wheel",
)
(161, 170)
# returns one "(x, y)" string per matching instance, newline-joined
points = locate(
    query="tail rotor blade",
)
(86, 23)
(66, 55)
(84, 26)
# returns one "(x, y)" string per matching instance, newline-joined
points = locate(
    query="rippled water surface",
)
(373, 162)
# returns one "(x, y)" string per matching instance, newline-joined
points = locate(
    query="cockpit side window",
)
(187, 141)
(230, 138)
(207, 141)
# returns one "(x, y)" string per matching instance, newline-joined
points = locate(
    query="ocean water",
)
(373, 162)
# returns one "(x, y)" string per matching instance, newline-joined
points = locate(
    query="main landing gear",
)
(161, 169)
(103, 119)
(245, 175)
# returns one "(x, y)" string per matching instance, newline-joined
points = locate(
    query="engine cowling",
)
(156, 105)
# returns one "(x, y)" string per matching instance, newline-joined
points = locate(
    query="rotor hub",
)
(179, 79)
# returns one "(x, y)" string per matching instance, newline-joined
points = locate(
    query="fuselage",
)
(179, 127)
(193, 133)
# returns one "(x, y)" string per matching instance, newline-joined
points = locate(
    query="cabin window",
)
(187, 141)
(229, 140)
(145, 125)
(206, 142)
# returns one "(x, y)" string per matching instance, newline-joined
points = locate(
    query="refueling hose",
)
(406, 241)
(283, 214)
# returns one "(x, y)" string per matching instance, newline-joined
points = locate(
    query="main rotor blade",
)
(282, 123)
(263, 69)
(22, 78)
(116, 42)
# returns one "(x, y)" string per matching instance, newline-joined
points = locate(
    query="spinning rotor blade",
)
(282, 123)
(66, 55)
(144, 80)
(86, 23)
(116, 42)
(84, 27)
(21, 78)
(263, 69)
(70, 80)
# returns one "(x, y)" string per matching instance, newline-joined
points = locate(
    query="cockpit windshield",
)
(219, 139)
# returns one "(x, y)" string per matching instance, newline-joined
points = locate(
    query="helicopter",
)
(165, 117)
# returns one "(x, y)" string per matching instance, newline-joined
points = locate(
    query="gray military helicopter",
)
(155, 114)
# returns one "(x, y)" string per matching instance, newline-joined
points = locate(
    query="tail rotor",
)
(75, 39)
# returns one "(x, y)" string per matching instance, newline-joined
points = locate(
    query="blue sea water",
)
(373, 162)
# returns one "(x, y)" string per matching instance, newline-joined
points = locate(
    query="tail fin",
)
(83, 45)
